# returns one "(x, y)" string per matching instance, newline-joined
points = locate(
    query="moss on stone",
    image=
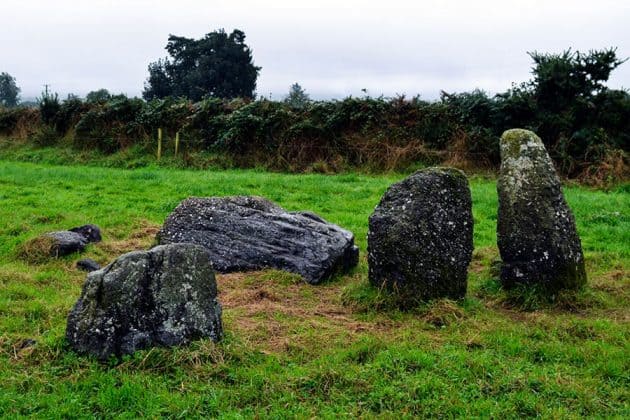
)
(536, 230)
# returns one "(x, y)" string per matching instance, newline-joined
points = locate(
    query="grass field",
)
(294, 350)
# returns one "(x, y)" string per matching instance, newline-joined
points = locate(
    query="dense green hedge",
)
(376, 132)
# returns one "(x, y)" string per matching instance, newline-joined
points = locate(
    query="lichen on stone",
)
(162, 297)
(536, 231)
(420, 237)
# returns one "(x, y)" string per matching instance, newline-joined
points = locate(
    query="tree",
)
(217, 65)
(49, 106)
(101, 95)
(567, 89)
(297, 97)
(9, 91)
(562, 79)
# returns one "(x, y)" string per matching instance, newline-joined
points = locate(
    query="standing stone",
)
(420, 237)
(536, 232)
(246, 233)
(162, 297)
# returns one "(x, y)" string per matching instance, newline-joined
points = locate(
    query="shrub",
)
(18, 122)
(49, 105)
(68, 114)
(46, 136)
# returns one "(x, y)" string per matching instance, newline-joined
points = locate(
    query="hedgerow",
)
(585, 125)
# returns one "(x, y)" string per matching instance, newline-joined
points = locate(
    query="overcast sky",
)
(332, 48)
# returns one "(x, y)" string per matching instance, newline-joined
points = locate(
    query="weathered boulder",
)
(420, 237)
(536, 232)
(251, 233)
(91, 233)
(88, 264)
(65, 242)
(162, 297)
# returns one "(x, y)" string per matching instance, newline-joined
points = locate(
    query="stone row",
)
(420, 244)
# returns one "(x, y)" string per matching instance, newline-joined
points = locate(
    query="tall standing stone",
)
(536, 232)
(420, 237)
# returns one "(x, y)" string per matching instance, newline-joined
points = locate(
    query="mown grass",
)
(294, 350)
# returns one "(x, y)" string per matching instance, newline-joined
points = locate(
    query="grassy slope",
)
(294, 349)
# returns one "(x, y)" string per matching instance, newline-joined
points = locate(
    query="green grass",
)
(294, 350)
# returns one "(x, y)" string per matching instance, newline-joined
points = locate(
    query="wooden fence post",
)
(176, 143)
(159, 151)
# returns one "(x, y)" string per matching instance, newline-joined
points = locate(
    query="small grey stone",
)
(92, 233)
(26, 343)
(66, 243)
(420, 237)
(251, 233)
(536, 232)
(88, 264)
(166, 296)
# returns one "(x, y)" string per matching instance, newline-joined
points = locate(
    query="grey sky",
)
(332, 48)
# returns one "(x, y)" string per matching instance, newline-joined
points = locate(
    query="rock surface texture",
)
(246, 233)
(420, 236)
(65, 242)
(536, 231)
(162, 297)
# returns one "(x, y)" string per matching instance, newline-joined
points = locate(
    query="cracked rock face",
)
(166, 296)
(244, 233)
(536, 232)
(420, 236)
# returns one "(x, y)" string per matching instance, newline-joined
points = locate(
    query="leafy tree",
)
(564, 88)
(159, 84)
(9, 91)
(95, 96)
(217, 65)
(561, 79)
(297, 97)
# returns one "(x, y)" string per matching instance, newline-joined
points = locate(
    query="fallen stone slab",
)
(166, 296)
(246, 233)
(536, 232)
(420, 237)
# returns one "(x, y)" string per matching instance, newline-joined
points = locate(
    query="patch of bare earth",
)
(276, 317)
(142, 237)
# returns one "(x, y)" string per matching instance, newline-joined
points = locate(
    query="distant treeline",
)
(585, 125)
